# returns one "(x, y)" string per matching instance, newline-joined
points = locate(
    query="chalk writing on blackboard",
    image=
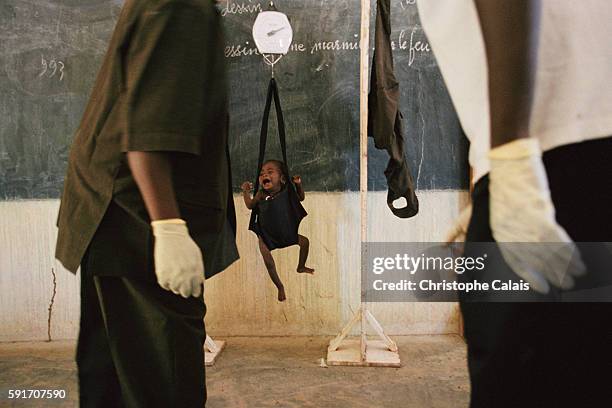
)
(51, 68)
(52, 54)
(405, 41)
(410, 43)
(230, 7)
(405, 3)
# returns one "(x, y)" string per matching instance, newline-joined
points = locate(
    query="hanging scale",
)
(273, 34)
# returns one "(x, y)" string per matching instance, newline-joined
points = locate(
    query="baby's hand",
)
(247, 186)
(297, 179)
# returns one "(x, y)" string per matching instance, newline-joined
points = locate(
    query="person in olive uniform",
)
(146, 210)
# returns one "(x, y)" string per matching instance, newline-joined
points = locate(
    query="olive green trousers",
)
(139, 345)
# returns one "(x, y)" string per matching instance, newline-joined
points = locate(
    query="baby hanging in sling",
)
(276, 208)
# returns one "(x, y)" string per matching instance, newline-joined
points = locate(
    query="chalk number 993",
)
(51, 68)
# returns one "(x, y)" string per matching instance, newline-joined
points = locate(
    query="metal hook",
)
(271, 60)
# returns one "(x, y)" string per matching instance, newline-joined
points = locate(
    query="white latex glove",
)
(178, 260)
(521, 212)
(457, 232)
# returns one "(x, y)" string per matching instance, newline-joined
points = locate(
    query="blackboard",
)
(50, 53)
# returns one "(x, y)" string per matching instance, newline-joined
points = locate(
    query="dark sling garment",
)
(385, 119)
(276, 220)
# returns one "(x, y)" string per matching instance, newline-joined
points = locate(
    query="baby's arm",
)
(297, 180)
(249, 201)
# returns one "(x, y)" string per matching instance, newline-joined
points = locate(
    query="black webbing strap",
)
(231, 210)
(295, 211)
(272, 93)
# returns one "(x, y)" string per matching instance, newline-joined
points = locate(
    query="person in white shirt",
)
(530, 81)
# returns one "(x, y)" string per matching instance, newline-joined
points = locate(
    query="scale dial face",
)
(272, 33)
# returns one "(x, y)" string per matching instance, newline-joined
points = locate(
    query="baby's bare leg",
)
(271, 267)
(304, 248)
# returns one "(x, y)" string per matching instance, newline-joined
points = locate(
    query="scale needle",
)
(271, 33)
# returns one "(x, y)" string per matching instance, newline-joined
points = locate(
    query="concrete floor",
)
(274, 372)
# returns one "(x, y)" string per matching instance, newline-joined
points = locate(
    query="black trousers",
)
(547, 354)
(139, 345)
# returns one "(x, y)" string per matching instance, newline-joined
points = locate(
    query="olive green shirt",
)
(162, 87)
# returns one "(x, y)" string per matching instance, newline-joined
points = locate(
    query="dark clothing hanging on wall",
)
(385, 119)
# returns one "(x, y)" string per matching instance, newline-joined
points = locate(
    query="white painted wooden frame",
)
(363, 352)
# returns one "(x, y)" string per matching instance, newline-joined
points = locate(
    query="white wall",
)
(242, 300)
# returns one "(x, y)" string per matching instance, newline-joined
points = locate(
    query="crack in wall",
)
(50, 309)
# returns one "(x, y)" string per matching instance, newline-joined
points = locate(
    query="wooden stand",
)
(212, 349)
(363, 352)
